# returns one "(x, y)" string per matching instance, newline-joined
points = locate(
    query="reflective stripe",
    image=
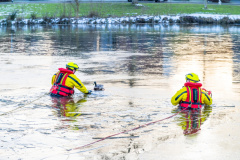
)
(64, 92)
(180, 95)
(75, 81)
(189, 121)
(63, 78)
(190, 93)
(206, 96)
(199, 122)
(56, 76)
(199, 95)
(66, 87)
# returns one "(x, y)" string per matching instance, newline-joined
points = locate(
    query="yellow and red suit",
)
(191, 94)
(64, 82)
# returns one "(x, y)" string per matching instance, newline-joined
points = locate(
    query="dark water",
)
(141, 67)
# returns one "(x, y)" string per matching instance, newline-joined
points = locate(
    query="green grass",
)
(113, 9)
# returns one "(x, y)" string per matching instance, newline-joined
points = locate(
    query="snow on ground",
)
(136, 19)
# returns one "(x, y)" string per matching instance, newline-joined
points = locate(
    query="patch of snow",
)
(25, 21)
(132, 19)
(98, 21)
(214, 16)
(139, 5)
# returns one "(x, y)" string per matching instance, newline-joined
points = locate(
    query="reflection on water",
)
(69, 110)
(141, 67)
(191, 120)
(67, 107)
(210, 51)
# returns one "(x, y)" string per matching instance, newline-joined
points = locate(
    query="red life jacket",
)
(194, 95)
(59, 87)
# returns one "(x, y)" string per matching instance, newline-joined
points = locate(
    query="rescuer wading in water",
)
(64, 81)
(192, 95)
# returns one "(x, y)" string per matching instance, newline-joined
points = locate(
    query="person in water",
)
(192, 95)
(64, 81)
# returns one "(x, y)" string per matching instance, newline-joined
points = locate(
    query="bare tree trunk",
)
(75, 6)
(134, 1)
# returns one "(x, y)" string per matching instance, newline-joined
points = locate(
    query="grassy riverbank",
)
(111, 9)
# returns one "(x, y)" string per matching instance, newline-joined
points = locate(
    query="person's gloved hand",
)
(210, 93)
(204, 89)
(89, 92)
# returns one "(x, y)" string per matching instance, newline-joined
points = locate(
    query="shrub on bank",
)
(226, 20)
(188, 19)
(237, 21)
(33, 15)
(93, 14)
(12, 16)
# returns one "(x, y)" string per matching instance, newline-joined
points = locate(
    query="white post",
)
(219, 2)
(205, 4)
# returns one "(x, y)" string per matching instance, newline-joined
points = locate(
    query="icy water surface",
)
(141, 68)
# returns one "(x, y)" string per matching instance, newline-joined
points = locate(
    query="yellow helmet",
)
(192, 77)
(72, 66)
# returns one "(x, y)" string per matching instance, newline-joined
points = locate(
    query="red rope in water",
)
(142, 126)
